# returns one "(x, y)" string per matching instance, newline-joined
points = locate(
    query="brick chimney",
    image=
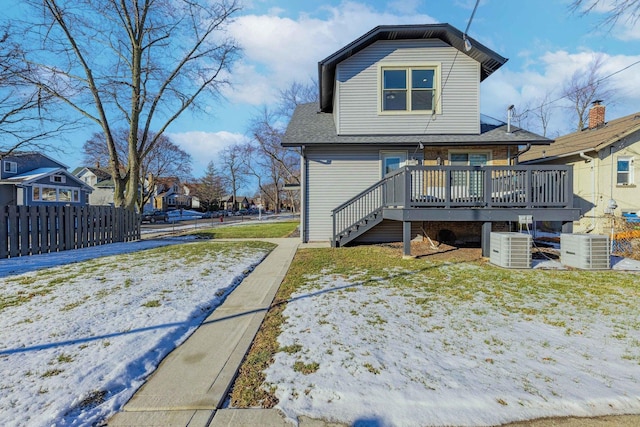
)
(596, 114)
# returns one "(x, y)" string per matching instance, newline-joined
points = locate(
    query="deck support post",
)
(485, 239)
(406, 239)
(567, 227)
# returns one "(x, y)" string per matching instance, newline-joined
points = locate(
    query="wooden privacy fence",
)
(30, 230)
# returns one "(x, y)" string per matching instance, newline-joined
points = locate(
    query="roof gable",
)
(489, 60)
(586, 140)
(34, 175)
(26, 157)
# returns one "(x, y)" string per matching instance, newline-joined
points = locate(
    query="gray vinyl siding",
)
(356, 95)
(334, 176)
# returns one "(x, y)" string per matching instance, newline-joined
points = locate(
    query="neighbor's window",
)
(625, 171)
(64, 194)
(55, 194)
(49, 194)
(408, 89)
(11, 167)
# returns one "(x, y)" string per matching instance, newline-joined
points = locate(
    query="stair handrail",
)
(376, 207)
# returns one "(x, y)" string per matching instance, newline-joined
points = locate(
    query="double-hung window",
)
(625, 171)
(409, 89)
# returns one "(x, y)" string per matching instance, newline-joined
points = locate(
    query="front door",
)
(392, 160)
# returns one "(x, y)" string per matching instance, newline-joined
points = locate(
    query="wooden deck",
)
(459, 193)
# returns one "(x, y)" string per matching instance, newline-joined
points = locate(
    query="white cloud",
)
(527, 87)
(280, 50)
(205, 146)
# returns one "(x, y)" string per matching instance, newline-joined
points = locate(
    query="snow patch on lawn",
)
(360, 350)
(83, 337)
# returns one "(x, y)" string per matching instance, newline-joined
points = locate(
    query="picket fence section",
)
(31, 230)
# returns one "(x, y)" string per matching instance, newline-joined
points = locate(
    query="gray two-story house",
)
(31, 178)
(397, 146)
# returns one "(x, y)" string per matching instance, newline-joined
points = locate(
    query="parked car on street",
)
(155, 216)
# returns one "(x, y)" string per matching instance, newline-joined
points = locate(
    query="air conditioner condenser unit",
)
(510, 250)
(585, 251)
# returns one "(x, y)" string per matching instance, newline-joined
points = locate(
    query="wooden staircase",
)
(359, 214)
(358, 228)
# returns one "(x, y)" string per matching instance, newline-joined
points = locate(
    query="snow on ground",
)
(78, 339)
(363, 351)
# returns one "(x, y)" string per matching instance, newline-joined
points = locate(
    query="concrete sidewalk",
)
(192, 382)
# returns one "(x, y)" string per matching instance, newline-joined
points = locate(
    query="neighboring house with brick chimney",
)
(605, 158)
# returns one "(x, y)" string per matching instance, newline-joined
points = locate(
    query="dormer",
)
(406, 80)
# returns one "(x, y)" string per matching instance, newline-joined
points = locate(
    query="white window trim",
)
(437, 66)
(63, 179)
(9, 166)
(631, 178)
(75, 194)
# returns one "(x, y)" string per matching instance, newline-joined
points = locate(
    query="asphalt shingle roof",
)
(586, 140)
(309, 126)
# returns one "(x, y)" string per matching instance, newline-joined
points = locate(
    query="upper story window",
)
(625, 171)
(10, 167)
(409, 89)
(60, 179)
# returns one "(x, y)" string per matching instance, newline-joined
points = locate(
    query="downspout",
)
(521, 152)
(303, 194)
(593, 190)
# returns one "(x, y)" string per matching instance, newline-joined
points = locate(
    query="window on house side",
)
(408, 89)
(625, 171)
(10, 167)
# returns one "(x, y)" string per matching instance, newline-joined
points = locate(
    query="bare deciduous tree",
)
(614, 10)
(296, 94)
(137, 63)
(537, 113)
(272, 164)
(585, 86)
(267, 158)
(234, 169)
(25, 121)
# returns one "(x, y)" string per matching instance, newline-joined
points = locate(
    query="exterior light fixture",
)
(467, 44)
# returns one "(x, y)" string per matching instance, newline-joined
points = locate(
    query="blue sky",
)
(283, 40)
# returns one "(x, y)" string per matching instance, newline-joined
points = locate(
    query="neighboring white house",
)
(605, 160)
(397, 146)
(100, 181)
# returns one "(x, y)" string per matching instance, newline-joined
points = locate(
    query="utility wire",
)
(437, 100)
(544, 104)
